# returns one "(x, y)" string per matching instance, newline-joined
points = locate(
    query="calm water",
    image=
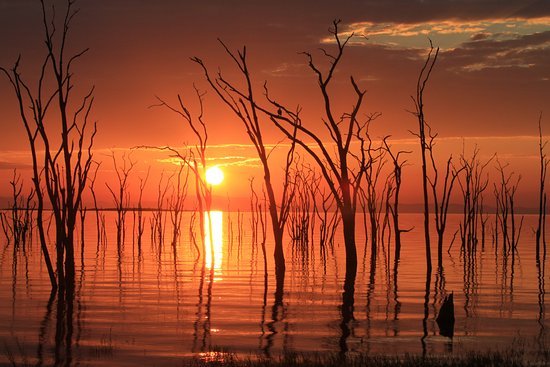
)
(164, 306)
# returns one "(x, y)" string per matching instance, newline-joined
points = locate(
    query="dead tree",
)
(121, 197)
(505, 192)
(259, 216)
(423, 78)
(373, 195)
(17, 226)
(473, 183)
(323, 205)
(177, 201)
(441, 199)
(158, 219)
(92, 180)
(195, 158)
(140, 219)
(301, 208)
(540, 231)
(344, 170)
(47, 110)
(244, 105)
(395, 191)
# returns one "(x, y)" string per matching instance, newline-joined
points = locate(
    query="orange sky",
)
(489, 86)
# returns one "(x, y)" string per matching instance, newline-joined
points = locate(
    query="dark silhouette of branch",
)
(242, 102)
(541, 223)
(422, 81)
(120, 194)
(63, 170)
(396, 179)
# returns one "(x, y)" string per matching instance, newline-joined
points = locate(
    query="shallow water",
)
(162, 306)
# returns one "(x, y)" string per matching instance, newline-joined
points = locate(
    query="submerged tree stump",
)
(446, 317)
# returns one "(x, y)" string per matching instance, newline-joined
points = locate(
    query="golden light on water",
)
(214, 238)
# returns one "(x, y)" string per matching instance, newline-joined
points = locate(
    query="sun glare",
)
(214, 176)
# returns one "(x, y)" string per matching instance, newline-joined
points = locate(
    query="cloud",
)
(447, 34)
(221, 161)
(287, 70)
(500, 51)
(11, 166)
(466, 46)
(419, 11)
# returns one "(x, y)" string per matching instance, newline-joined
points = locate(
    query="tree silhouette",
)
(540, 231)
(344, 170)
(244, 105)
(120, 194)
(195, 158)
(63, 168)
(422, 81)
(394, 191)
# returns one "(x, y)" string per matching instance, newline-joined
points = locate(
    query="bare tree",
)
(395, 191)
(505, 192)
(344, 170)
(140, 219)
(423, 78)
(17, 225)
(121, 196)
(301, 207)
(372, 195)
(323, 209)
(441, 199)
(259, 216)
(195, 158)
(64, 168)
(92, 180)
(177, 200)
(473, 183)
(342, 159)
(244, 105)
(158, 218)
(540, 231)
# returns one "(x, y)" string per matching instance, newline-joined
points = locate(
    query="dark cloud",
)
(413, 11)
(534, 9)
(480, 36)
(528, 51)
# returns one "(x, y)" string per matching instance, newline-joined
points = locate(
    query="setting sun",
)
(214, 176)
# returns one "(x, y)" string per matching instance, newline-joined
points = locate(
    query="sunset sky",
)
(490, 84)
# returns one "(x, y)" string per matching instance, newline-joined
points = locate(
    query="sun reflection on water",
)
(213, 238)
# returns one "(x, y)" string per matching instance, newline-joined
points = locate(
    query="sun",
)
(214, 176)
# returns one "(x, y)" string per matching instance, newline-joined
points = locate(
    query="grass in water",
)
(509, 357)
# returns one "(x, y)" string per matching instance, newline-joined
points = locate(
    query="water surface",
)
(163, 303)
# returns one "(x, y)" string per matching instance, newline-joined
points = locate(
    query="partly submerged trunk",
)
(278, 254)
(43, 244)
(276, 223)
(348, 223)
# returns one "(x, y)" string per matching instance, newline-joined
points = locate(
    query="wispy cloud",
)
(498, 51)
(12, 165)
(287, 70)
(447, 34)
(220, 161)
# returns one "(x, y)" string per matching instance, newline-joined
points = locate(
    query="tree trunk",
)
(69, 258)
(276, 222)
(278, 254)
(44, 247)
(440, 248)
(348, 222)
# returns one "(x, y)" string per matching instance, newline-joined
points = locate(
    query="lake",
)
(160, 303)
